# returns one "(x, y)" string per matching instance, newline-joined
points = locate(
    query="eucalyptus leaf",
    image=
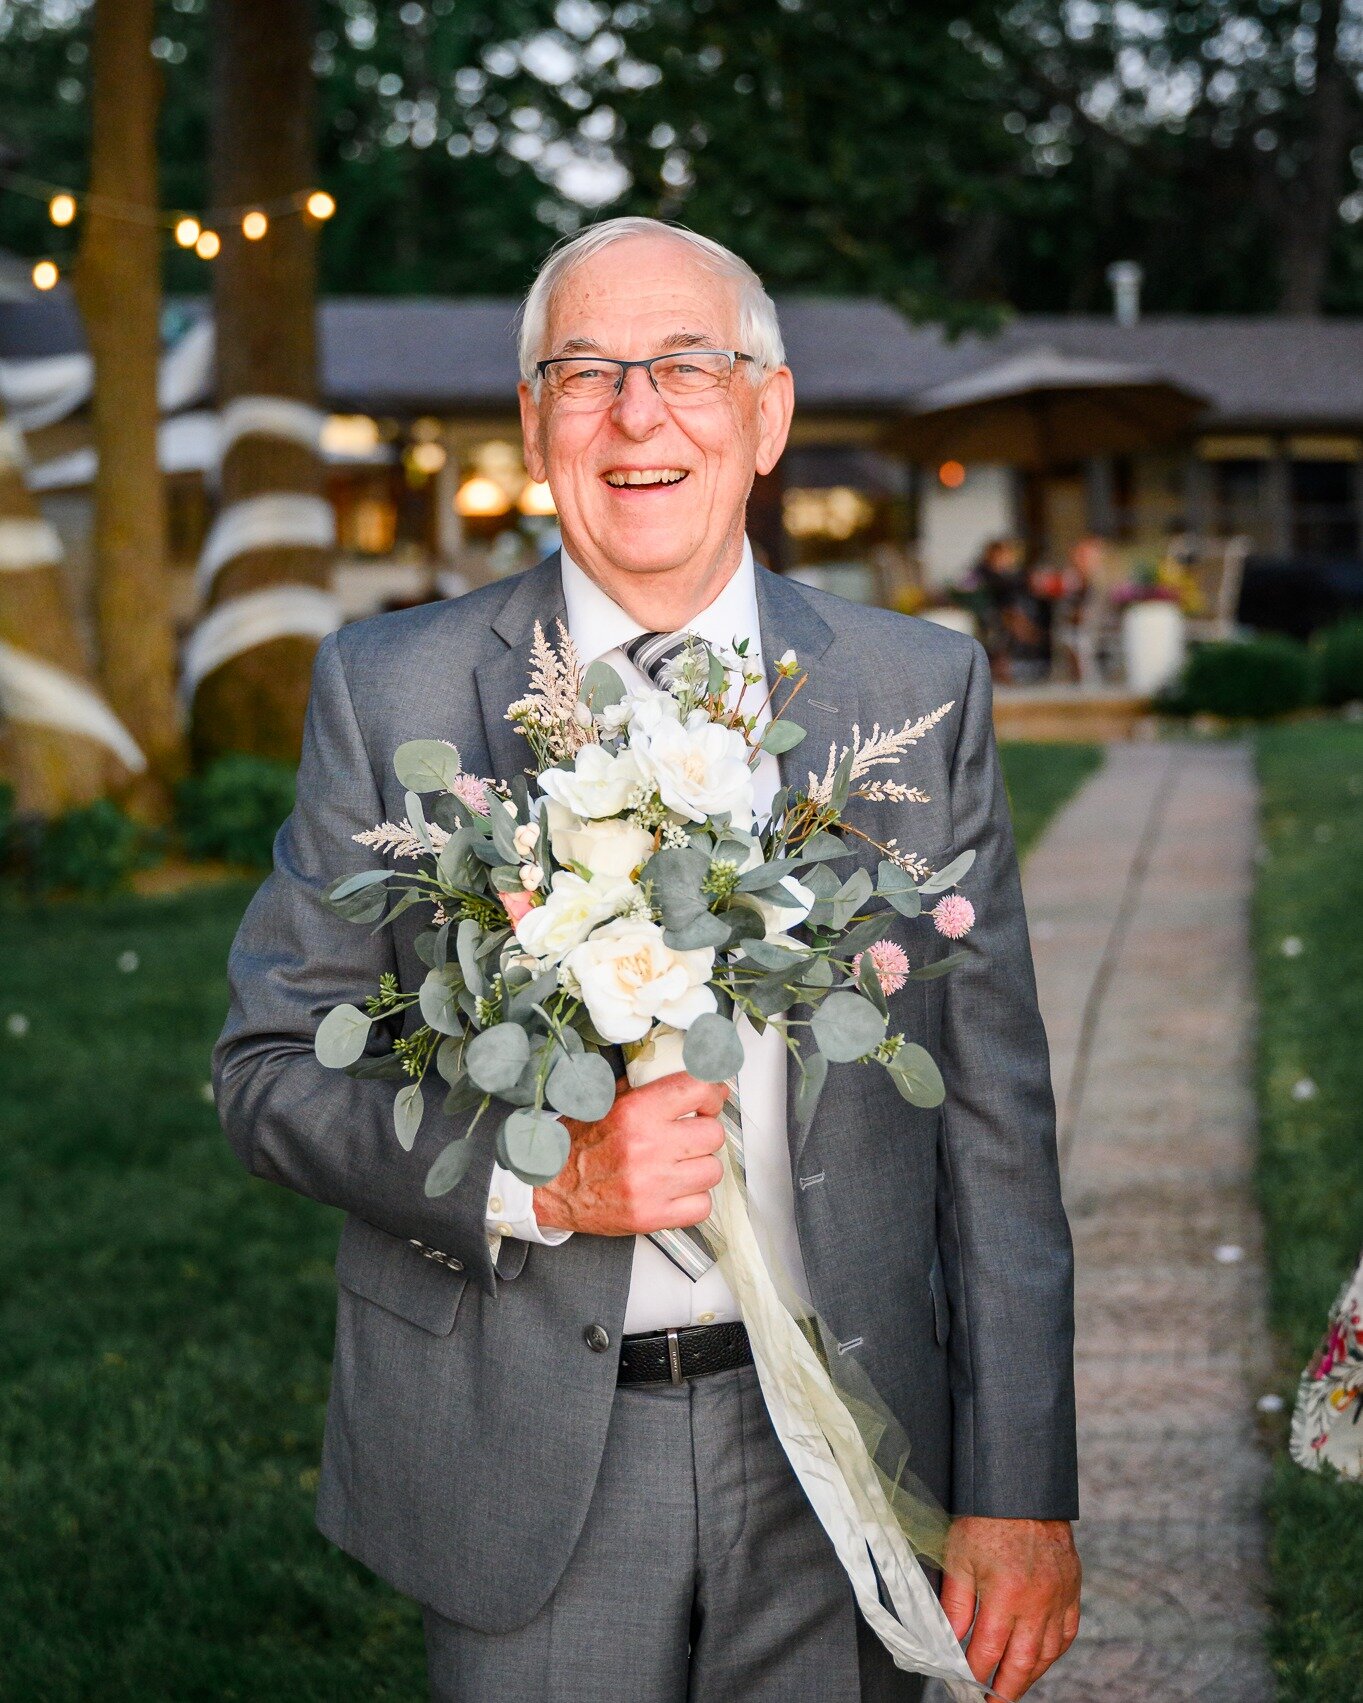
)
(714, 674)
(407, 1113)
(869, 983)
(712, 1051)
(378, 1067)
(892, 878)
(938, 967)
(822, 881)
(341, 1036)
(813, 1075)
(908, 903)
(439, 1001)
(822, 848)
(449, 1167)
(463, 1096)
(842, 783)
(601, 687)
(503, 825)
(770, 955)
(416, 816)
(457, 862)
(819, 974)
(745, 922)
(496, 1057)
(427, 765)
(363, 904)
(948, 876)
(466, 946)
(704, 930)
(348, 884)
(847, 1027)
(773, 994)
(767, 874)
(915, 1074)
(782, 736)
(449, 1061)
(534, 993)
(676, 875)
(581, 1086)
(534, 1145)
(865, 934)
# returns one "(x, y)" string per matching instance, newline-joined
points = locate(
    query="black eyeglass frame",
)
(735, 356)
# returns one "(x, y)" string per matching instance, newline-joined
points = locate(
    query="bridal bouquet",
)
(629, 893)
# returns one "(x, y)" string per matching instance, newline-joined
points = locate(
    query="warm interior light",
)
(320, 204)
(187, 232)
(208, 245)
(951, 474)
(536, 498)
(836, 511)
(349, 434)
(426, 457)
(61, 209)
(45, 275)
(481, 496)
(254, 225)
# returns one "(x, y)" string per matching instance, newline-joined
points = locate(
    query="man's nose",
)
(638, 409)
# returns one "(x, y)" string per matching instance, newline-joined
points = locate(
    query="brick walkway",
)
(1137, 898)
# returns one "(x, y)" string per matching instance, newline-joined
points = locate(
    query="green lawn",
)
(165, 1335)
(1310, 890)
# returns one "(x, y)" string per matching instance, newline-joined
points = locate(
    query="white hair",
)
(759, 333)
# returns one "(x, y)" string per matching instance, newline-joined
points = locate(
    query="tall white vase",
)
(1154, 645)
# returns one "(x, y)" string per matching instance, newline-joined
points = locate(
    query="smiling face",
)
(651, 498)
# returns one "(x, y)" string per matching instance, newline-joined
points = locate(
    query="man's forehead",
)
(657, 291)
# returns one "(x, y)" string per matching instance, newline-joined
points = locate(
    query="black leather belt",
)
(672, 1356)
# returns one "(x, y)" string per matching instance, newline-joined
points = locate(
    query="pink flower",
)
(953, 916)
(517, 904)
(468, 789)
(889, 963)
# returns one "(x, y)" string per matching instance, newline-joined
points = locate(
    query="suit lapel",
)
(503, 675)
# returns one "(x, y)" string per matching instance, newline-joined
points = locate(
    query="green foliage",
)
(91, 849)
(1339, 663)
(1310, 886)
(234, 809)
(1258, 678)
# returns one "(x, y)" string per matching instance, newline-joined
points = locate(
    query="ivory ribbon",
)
(35, 691)
(272, 417)
(277, 611)
(273, 520)
(821, 1439)
(27, 544)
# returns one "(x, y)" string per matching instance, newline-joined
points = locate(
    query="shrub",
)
(1255, 677)
(90, 849)
(234, 808)
(1339, 662)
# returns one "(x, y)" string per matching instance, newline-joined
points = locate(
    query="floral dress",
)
(1327, 1424)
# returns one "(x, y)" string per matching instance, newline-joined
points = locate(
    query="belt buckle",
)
(674, 1365)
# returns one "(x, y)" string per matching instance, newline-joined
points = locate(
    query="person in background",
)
(997, 590)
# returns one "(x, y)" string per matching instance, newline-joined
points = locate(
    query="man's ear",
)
(775, 410)
(530, 433)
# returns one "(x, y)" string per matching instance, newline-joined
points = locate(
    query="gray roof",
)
(415, 355)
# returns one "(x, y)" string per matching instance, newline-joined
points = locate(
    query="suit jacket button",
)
(598, 1338)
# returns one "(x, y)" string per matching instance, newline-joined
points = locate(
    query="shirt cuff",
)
(511, 1212)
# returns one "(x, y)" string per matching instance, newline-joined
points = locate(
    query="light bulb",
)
(254, 226)
(61, 209)
(187, 231)
(45, 275)
(320, 204)
(208, 245)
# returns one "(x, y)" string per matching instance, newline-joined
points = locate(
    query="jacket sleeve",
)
(1005, 1240)
(319, 1131)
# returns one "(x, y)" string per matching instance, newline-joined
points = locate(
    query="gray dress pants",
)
(701, 1576)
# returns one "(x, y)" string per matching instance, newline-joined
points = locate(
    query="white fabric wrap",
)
(35, 691)
(274, 520)
(269, 417)
(26, 544)
(278, 611)
(820, 1437)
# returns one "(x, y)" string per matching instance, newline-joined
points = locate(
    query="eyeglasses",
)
(688, 376)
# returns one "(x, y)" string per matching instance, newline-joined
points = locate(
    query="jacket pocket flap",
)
(399, 1276)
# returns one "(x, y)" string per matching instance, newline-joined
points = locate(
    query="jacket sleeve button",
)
(598, 1338)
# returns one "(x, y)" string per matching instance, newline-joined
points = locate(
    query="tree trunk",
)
(46, 690)
(119, 289)
(1312, 208)
(265, 311)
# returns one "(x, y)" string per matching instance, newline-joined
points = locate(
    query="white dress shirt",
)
(661, 1296)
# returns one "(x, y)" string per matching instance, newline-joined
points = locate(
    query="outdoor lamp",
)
(481, 497)
(536, 498)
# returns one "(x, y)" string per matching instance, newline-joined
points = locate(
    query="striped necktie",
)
(687, 1248)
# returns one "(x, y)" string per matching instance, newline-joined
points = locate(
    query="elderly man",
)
(539, 1427)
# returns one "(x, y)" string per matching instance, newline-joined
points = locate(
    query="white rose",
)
(598, 784)
(700, 769)
(631, 979)
(570, 912)
(613, 848)
(784, 906)
(646, 709)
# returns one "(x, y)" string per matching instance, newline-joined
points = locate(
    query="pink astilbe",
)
(469, 790)
(954, 916)
(889, 962)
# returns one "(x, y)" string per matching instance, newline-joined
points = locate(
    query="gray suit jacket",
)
(468, 1411)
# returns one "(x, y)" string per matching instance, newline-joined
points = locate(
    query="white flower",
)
(569, 914)
(782, 907)
(598, 784)
(527, 838)
(531, 877)
(700, 769)
(631, 978)
(646, 709)
(787, 664)
(612, 847)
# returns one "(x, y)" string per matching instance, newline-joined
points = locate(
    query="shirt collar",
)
(598, 624)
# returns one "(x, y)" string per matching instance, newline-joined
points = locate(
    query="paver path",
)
(1138, 897)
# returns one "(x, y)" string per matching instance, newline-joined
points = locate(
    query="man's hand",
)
(1018, 1581)
(649, 1164)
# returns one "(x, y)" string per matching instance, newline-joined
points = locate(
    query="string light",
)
(61, 209)
(208, 245)
(45, 275)
(254, 225)
(320, 204)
